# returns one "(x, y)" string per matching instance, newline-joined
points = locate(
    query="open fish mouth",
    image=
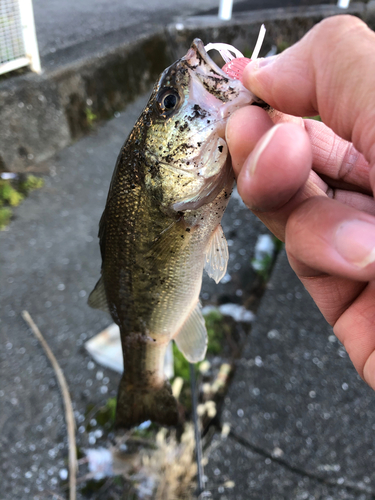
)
(223, 85)
(200, 51)
(222, 82)
(213, 78)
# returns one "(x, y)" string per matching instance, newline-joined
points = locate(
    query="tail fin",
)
(136, 403)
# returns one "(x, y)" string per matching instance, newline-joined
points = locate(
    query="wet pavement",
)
(49, 263)
(302, 420)
(87, 27)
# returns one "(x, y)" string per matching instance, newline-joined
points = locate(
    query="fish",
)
(161, 228)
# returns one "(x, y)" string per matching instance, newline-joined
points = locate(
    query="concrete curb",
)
(41, 114)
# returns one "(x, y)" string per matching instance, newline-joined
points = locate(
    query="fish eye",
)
(169, 100)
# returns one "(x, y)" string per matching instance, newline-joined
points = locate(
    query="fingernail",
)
(261, 146)
(355, 242)
(265, 61)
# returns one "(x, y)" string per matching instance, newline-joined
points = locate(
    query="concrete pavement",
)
(49, 263)
(60, 25)
(302, 421)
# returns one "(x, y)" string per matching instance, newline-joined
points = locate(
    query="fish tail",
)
(136, 404)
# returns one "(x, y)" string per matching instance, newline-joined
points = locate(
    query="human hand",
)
(312, 183)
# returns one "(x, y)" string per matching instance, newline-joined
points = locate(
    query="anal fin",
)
(192, 338)
(217, 255)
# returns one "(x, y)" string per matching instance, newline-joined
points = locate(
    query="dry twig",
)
(69, 415)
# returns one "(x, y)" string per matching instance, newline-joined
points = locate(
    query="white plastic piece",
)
(225, 10)
(235, 311)
(258, 45)
(100, 462)
(343, 4)
(8, 175)
(12, 65)
(29, 34)
(228, 52)
(17, 32)
(105, 348)
(264, 248)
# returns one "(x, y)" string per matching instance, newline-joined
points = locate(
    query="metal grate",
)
(11, 38)
(18, 45)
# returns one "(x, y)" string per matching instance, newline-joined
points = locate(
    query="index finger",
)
(337, 160)
(328, 72)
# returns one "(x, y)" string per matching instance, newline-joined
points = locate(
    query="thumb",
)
(328, 72)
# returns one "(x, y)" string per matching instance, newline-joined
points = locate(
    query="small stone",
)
(277, 452)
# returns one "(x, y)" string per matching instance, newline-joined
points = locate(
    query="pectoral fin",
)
(97, 298)
(217, 255)
(192, 338)
(210, 167)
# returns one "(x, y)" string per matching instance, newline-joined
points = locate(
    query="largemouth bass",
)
(161, 227)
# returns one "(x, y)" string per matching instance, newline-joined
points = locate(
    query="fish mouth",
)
(201, 67)
(199, 48)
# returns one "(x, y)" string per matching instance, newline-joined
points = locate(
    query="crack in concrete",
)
(297, 470)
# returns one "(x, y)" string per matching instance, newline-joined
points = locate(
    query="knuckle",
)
(332, 31)
(339, 24)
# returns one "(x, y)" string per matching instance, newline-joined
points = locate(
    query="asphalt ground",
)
(302, 420)
(60, 25)
(49, 263)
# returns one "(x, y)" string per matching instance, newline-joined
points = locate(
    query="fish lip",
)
(199, 49)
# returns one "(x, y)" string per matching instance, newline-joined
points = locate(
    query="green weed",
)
(91, 117)
(215, 331)
(317, 118)
(12, 192)
(106, 414)
(281, 46)
(181, 365)
(9, 195)
(5, 216)
(30, 183)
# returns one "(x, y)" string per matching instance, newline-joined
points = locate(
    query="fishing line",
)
(198, 441)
